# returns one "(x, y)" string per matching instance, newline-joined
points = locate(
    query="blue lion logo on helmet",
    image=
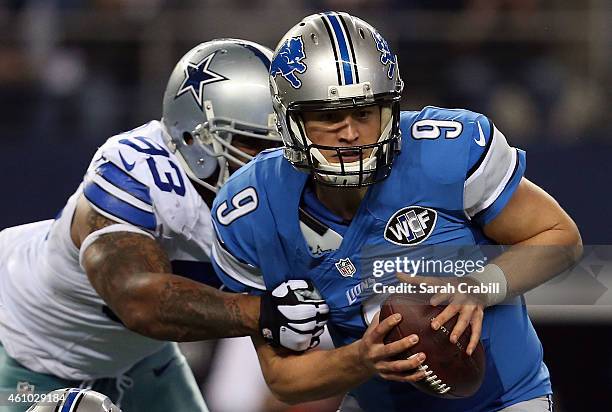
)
(287, 61)
(386, 56)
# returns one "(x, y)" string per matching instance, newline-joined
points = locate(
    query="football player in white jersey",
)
(91, 298)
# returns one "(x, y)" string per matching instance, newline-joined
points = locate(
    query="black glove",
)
(293, 315)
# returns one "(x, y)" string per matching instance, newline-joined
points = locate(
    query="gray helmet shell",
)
(330, 61)
(76, 400)
(217, 90)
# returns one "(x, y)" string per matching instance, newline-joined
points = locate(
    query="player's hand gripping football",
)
(293, 315)
(468, 306)
(385, 359)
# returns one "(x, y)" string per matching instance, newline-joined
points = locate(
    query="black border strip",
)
(486, 150)
(319, 228)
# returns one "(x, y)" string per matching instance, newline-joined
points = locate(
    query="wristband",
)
(492, 275)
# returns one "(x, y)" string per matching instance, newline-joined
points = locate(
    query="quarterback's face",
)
(343, 128)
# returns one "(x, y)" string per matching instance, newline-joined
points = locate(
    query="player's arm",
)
(132, 274)
(546, 240)
(511, 211)
(320, 374)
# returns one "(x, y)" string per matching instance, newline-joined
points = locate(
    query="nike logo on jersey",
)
(481, 141)
(128, 166)
(158, 371)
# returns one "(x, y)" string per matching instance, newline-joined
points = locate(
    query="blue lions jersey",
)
(454, 174)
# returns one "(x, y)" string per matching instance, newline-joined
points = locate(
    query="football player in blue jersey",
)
(357, 175)
(91, 298)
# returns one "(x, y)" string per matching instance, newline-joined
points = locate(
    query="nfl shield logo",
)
(346, 267)
(25, 387)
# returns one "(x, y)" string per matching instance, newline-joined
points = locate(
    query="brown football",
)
(452, 374)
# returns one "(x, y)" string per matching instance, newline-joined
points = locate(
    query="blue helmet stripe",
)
(70, 398)
(117, 177)
(258, 53)
(350, 43)
(345, 56)
(331, 38)
(116, 207)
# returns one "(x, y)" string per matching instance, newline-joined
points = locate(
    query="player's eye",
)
(327, 117)
(363, 114)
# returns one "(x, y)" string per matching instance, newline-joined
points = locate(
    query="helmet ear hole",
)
(187, 138)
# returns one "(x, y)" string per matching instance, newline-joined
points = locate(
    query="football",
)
(451, 372)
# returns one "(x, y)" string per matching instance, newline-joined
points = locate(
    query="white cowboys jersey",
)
(51, 319)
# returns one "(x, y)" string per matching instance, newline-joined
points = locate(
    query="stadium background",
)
(73, 73)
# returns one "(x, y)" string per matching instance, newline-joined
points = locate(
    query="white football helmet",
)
(336, 61)
(74, 400)
(217, 93)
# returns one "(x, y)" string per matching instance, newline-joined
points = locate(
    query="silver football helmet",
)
(217, 92)
(336, 61)
(74, 400)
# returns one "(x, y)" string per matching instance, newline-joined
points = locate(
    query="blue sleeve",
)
(234, 253)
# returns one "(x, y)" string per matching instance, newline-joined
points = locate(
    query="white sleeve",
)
(234, 270)
(487, 182)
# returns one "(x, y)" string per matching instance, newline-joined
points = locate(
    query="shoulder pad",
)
(134, 178)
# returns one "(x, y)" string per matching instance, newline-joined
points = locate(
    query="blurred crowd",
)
(84, 69)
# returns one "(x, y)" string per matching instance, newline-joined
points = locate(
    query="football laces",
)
(432, 380)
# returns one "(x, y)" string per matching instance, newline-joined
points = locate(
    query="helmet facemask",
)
(375, 159)
(222, 138)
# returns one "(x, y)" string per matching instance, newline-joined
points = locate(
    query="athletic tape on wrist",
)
(492, 275)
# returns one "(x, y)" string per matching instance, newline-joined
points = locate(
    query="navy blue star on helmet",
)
(198, 75)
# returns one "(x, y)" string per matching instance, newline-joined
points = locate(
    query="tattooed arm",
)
(132, 273)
